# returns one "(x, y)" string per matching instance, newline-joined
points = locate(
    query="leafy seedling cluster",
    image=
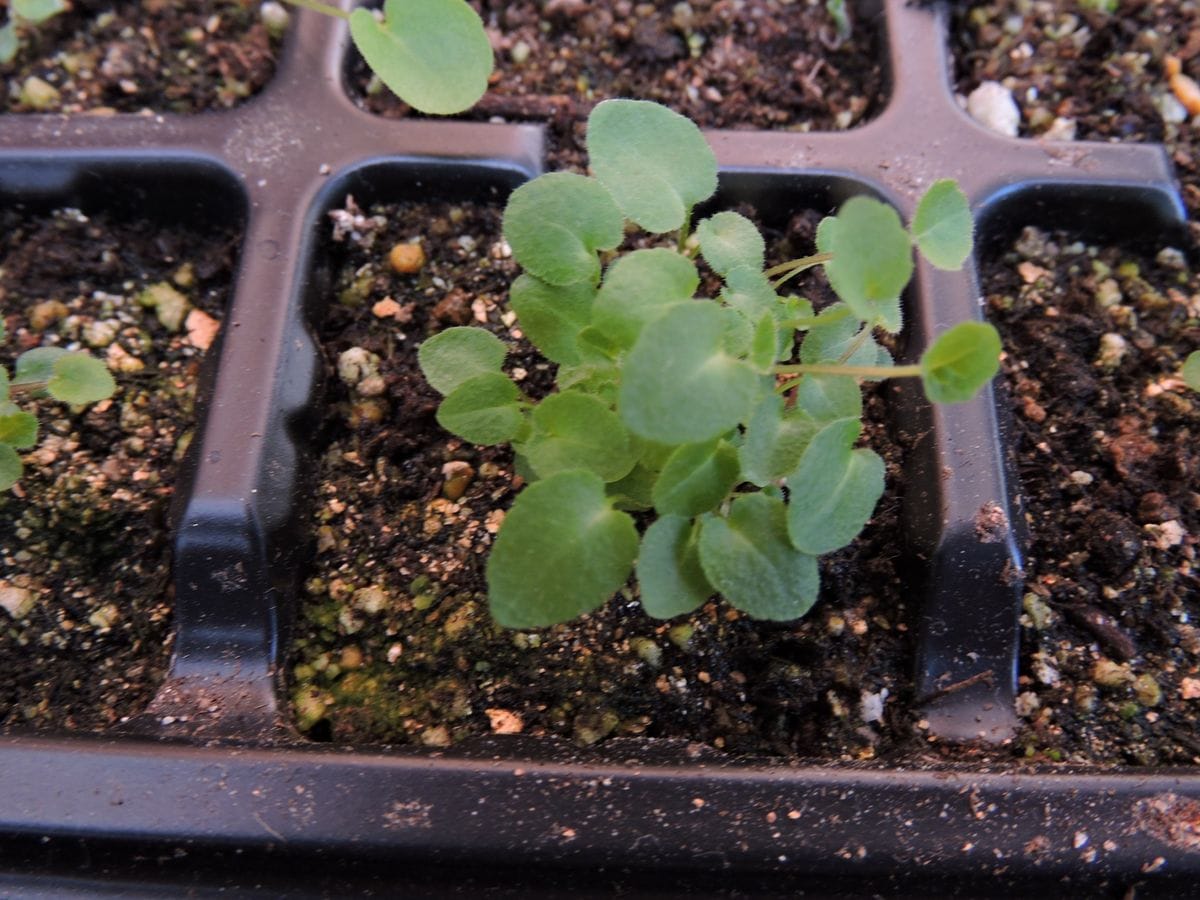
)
(433, 54)
(69, 377)
(22, 15)
(728, 425)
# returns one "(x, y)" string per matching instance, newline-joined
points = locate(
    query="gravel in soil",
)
(84, 550)
(394, 643)
(1108, 454)
(769, 64)
(133, 55)
(1078, 69)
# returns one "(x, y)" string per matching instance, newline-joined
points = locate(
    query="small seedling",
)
(728, 425)
(433, 54)
(23, 14)
(76, 378)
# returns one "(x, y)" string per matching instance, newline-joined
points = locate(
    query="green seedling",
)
(75, 378)
(23, 14)
(841, 19)
(1191, 370)
(433, 54)
(727, 425)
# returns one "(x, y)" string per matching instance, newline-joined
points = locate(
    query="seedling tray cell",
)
(212, 788)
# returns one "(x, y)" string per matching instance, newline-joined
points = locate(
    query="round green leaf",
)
(10, 467)
(37, 11)
(831, 335)
(18, 429)
(729, 240)
(1191, 370)
(552, 317)
(775, 441)
(960, 362)
(638, 288)
(434, 54)
(696, 478)
(9, 45)
(561, 552)
(679, 385)
(483, 410)
(557, 222)
(943, 227)
(872, 255)
(80, 378)
(670, 579)
(655, 162)
(749, 560)
(459, 354)
(834, 489)
(36, 366)
(829, 397)
(577, 431)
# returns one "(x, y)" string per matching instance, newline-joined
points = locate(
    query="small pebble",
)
(17, 601)
(992, 105)
(406, 259)
(1061, 129)
(45, 314)
(458, 476)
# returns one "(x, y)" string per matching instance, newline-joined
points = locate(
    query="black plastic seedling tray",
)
(211, 791)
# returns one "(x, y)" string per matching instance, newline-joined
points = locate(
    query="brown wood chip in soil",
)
(769, 64)
(1108, 453)
(130, 55)
(394, 643)
(84, 550)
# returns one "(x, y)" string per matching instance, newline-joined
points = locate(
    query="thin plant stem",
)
(794, 267)
(912, 371)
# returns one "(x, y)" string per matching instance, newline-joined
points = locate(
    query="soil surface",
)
(1108, 454)
(131, 55)
(84, 550)
(1102, 73)
(770, 64)
(395, 643)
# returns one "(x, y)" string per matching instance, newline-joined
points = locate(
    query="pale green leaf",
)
(748, 291)
(636, 490)
(561, 552)
(749, 560)
(1191, 370)
(654, 161)
(833, 333)
(36, 366)
(552, 317)
(577, 431)
(9, 45)
(80, 378)
(775, 441)
(696, 478)
(18, 429)
(433, 54)
(960, 362)
(556, 223)
(679, 386)
(638, 288)
(943, 227)
(670, 579)
(458, 354)
(828, 397)
(764, 349)
(483, 410)
(872, 255)
(10, 467)
(834, 490)
(37, 11)
(729, 240)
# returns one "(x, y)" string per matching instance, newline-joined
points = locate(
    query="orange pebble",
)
(406, 259)
(1186, 90)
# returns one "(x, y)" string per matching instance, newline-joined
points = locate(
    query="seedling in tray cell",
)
(22, 15)
(727, 426)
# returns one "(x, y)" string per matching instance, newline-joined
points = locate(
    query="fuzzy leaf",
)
(654, 161)
(942, 226)
(679, 386)
(576, 431)
(670, 579)
(638, 288)
(830, 337)
(561, 552)
(434, 54)
(552, 317)
(1191, 370)
(872, 255)
(729, 240)
(960, 362)
(634, 491)
(483, 410)
(36, 366)
(18, 429)
(829, 397)
(458, 354)
(750, 293)
(10, 467)
(80, 378)
(749, 560)
(834, 489)
(696, 478)
(557, 222)
(775, 441)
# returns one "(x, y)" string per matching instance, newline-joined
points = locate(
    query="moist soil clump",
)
(1075, 68)
(1107, 444)
(127, 56)
(766, 64)
(84, 550)
(394, 642)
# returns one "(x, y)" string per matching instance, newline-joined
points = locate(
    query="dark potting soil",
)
(130, 55)
(394, 643)
(1103, 72)
(769, 64)
(1108, 454)
(84, 550)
